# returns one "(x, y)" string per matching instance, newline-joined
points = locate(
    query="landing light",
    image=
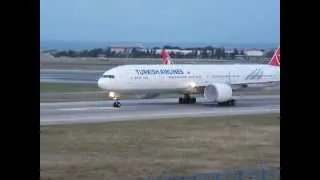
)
(192, 84)
(111, 94)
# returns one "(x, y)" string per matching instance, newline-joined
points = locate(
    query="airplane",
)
(216, 82)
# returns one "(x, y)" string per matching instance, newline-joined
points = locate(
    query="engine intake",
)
(218, 92)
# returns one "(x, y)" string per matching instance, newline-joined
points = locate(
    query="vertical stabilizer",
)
(275, 60)
(165, 56)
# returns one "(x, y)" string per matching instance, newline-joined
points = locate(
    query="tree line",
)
(206, 52)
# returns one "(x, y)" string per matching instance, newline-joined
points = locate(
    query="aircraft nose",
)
(101, 83)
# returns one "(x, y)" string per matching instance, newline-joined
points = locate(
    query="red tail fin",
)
(165, 56)
(275, 60)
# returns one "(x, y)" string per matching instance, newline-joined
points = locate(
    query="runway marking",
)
(86, 108)
(147, 101)
(108, 108)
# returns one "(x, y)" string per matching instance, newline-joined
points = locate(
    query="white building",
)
(253, 53)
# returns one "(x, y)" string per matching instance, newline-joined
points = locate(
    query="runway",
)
(142, 109)
(70, 76)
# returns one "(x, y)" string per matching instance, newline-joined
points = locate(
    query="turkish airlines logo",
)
(255, 75)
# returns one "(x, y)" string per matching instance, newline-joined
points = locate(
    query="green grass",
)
(67, 87)
(133, 150)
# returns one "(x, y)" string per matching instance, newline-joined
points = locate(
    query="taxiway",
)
(143, 109)
(70, 76)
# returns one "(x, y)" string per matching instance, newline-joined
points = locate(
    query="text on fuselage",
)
(159, 71)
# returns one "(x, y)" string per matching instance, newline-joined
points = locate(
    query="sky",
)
(190, 21)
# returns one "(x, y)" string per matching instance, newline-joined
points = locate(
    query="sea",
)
(81, 45)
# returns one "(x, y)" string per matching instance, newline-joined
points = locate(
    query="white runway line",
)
(147, 109)
(201, 99)
(87, 108)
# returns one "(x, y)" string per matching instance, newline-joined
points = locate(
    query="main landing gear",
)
(187, 99)
(227, 103)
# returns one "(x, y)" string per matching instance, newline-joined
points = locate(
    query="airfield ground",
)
(67, 87)
(57, 92)
(132, 150)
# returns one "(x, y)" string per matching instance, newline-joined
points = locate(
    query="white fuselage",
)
(183, 77)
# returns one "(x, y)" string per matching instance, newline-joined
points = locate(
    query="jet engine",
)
(218, 92)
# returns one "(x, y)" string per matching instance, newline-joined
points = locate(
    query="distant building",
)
(253, 53)
(184, 52)
(229, 51)
(126, 49)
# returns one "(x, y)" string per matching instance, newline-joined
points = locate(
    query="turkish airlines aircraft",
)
(215, 82)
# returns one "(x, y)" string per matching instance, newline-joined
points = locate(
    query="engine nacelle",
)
(218, 92)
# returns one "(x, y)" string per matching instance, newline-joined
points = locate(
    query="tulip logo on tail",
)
(165, 56)
(255, 75)
(275, 60)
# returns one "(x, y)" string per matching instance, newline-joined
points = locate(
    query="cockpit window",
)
(108, 76)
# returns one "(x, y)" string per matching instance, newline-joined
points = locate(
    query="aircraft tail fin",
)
(275, 60)
(165, 56)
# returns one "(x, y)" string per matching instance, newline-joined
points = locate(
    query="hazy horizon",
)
(81, 45)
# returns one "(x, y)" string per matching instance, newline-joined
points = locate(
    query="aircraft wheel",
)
(232, 102)
(223, 103)
(227, 103)
(183, 100)
(116, 104)
(193, 100)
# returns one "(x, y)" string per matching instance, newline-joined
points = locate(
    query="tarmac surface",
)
(70, 76)
(146, 109)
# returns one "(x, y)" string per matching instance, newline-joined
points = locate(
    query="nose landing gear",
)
(187, 99)
(116, 103)
(227, 103)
